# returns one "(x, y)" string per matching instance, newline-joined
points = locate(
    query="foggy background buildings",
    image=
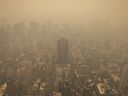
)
(21, 37)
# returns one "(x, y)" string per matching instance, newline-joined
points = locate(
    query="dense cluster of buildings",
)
(54, 60)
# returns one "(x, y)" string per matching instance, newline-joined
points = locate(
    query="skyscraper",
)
(63, 51)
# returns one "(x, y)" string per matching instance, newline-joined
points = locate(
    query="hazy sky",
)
(71, 11)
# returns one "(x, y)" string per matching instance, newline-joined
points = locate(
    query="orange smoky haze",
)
(65, 11)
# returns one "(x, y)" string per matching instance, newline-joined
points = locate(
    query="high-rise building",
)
(63, 51)
(94, 60)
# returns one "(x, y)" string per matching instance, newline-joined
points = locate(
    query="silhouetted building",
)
(63, 50)
(94, 60)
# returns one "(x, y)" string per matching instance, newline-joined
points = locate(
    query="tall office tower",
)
(94, 60)
(124, 81)
(63, 51)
